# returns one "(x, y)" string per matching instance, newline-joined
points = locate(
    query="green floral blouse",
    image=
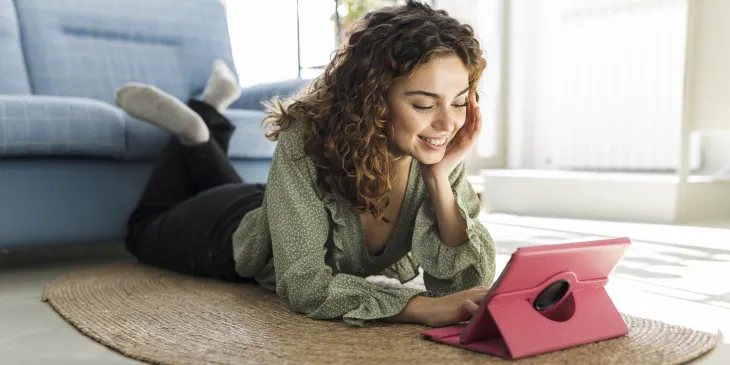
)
(309, 247)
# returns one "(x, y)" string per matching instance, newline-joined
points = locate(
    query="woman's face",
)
(427, 109)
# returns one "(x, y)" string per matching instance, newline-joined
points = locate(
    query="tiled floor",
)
(674, 274)
(31, 333)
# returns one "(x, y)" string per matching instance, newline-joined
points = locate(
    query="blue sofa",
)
(72, 164)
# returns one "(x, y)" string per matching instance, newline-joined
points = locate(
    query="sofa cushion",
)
(90, 49)
(249, 141)
(12, 65)
(252, 96)
(146, 141)
(59, 126)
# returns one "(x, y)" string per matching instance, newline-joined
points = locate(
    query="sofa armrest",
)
(252, 97)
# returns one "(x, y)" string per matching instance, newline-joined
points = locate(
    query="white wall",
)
(711, 69)
(709, 88)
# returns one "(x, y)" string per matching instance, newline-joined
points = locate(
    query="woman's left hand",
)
(462, 143)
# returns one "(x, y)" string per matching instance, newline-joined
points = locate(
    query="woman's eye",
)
(419, 107)
(459, 106)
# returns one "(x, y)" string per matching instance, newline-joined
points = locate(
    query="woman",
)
(367, 179)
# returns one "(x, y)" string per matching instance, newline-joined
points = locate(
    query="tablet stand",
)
(513, 328)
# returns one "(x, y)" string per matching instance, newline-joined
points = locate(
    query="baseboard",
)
(598, 196)
(643, 198)
(704, 202)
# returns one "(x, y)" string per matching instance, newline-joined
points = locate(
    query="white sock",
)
(148, 103)
(222, 88)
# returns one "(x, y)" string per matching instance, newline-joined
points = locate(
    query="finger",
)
(477, 121)
(454, 142)
(458, 138)
(469, 308)
(478, 297)
(477, 116)
(461, 134)
(480, 289)
(469, 122)
(466, 132)
(469, 108)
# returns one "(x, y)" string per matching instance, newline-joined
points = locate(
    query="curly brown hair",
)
(344, 111)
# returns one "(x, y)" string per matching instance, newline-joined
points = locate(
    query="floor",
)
(674, 274)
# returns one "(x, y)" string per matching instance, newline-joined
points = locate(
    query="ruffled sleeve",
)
(299, 227)
(448, 269)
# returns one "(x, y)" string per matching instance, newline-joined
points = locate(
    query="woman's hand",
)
(463, 141)
(454, 308)
(443, 311)
(452, 227)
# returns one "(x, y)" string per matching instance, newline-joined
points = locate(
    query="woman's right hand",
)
(455, 308)
(443, 311)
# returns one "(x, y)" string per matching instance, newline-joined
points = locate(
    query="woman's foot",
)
(148, 103)
(222, 88)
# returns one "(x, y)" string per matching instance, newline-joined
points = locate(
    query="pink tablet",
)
(547, 298)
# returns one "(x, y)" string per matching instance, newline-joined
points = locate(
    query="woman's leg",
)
(194, 237)
(181, 173)
(183, 170)
(192, 162)
(221, 129)
(221, 91)
(192, 171)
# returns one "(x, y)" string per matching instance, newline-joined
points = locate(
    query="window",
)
(271, 41)
(600, 85)
(286, 39)
(263, 40)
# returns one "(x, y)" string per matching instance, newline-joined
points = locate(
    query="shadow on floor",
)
(28, 258)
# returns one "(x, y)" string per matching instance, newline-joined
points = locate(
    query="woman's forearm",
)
(414, 312)
(451, 224)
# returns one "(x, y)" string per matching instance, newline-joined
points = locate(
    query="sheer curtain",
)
(597, 85)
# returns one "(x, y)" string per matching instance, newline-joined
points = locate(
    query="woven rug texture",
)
(161, 317)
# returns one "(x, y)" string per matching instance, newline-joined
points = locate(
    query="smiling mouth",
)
(435, 142)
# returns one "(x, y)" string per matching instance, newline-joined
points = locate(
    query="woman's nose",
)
(445, 120)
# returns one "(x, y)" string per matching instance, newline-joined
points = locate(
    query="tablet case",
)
(547, 298)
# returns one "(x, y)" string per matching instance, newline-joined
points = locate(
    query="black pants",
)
(192, 204)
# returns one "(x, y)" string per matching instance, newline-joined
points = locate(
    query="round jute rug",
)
(165, 318)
